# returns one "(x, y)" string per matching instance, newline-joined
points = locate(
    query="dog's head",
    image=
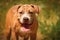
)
(26, 13)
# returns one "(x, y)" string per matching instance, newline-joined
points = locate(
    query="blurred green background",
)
(49, 17)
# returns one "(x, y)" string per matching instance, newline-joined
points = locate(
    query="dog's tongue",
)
(24, 29)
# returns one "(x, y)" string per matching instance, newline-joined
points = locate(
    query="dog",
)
(21, 21)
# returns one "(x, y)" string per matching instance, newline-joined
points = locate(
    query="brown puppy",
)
(21, 21)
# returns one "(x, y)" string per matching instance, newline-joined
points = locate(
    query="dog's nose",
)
(25, 19)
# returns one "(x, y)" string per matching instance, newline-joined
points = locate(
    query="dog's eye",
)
(21, 12)
(31, 12)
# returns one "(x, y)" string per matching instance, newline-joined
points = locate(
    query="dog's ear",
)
(15, 8)
(19, 6)
(36, 8)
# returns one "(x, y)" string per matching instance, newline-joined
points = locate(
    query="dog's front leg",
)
(13, 35)
(17, 36)
(26, 38)
(9, 35)
(33, 36)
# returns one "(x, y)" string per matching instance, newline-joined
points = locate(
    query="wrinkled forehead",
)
(26, 8)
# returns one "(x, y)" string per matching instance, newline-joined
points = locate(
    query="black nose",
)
(25, 19)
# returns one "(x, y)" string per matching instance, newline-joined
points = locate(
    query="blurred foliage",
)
(49, 17)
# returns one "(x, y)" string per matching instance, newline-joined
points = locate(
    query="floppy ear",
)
(36, 8)
(15, 8)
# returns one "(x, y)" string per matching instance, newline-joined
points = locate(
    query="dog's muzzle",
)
(26, 21)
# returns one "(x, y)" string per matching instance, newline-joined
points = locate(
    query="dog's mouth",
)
(26, 22)
(25, 26)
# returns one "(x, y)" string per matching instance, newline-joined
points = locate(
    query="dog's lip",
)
(26, 25)
(25, 22)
